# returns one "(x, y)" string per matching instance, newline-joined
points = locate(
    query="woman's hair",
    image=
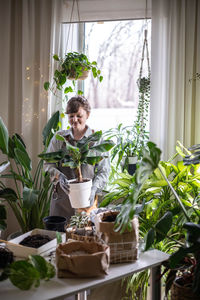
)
(75, 103)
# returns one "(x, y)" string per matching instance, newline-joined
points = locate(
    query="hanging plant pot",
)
(129, 163)
(181, 292)
(83, 76)
(80, 193)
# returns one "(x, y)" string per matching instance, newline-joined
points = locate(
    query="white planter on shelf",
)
(79, 193)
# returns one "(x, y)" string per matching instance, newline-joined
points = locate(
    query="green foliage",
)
(71, 67)
(130, 140)
(79, 220)
(131, 205)
(30, 199)
(85, 152)
(25, 274)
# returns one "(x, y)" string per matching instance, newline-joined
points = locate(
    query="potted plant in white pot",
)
(87, 151)
(74, 66)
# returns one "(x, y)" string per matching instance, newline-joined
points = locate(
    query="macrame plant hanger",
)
(144, 93)
(70, 23)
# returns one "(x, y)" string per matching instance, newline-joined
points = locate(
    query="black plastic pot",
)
(131, 168)
(55, 223)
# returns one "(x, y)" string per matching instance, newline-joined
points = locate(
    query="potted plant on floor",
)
(87, 151)
(74, 66)
(30, 198)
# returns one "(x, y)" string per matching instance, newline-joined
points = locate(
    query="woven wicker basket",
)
(180, 292)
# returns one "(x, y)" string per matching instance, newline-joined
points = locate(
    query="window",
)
(117, 48)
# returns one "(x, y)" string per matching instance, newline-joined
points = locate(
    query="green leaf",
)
(58, 237)
(80, 92)
(92, 160)
(45, 269)
(52, 156)
(30, 197)
(46, 85)
(2, 212)
(56, 57)
(68, 89)
(52, 124)
(60, 138)
(23, 159)
(104, 146)
(100, 78)
(3, 137)
(19, 143)
(8, 194)
(71, 164)
(163, 226)
(3, 226)
(149, 239)
(23, 275)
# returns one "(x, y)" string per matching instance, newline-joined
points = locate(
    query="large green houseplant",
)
(87, 151)
(27, 194)
(74, 66)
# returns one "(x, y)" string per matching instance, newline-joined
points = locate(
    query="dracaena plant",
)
(69, 69)
(87, 151)
(27, 194)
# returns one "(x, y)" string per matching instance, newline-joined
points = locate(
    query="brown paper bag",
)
(82, 259)
(123, 246)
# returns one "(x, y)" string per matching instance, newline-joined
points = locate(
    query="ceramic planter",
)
(79, 193)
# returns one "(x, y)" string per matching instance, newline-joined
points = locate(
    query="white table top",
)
(60, 288)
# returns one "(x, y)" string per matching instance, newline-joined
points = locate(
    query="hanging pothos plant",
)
(74, 66)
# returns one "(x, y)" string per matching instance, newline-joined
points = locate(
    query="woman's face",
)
(78, 120)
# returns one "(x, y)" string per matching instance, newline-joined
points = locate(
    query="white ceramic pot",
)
(79, 193)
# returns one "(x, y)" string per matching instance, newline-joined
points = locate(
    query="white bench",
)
(59, 289)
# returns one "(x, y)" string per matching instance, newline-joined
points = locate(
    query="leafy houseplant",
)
(130, 140)
(25, 274)
(86, 151)
(73, 66)
(30, 199)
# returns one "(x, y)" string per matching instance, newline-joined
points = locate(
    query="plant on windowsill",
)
(87, 151)
(74, 66)
(30, 197)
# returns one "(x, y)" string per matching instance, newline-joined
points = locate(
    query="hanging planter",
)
(74, 66)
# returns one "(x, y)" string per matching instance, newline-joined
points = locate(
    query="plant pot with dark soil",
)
(55, 223)
(123, 246)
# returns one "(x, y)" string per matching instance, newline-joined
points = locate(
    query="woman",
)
(78, 111)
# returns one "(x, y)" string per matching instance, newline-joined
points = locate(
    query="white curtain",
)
(29, 35)
(175, 101)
